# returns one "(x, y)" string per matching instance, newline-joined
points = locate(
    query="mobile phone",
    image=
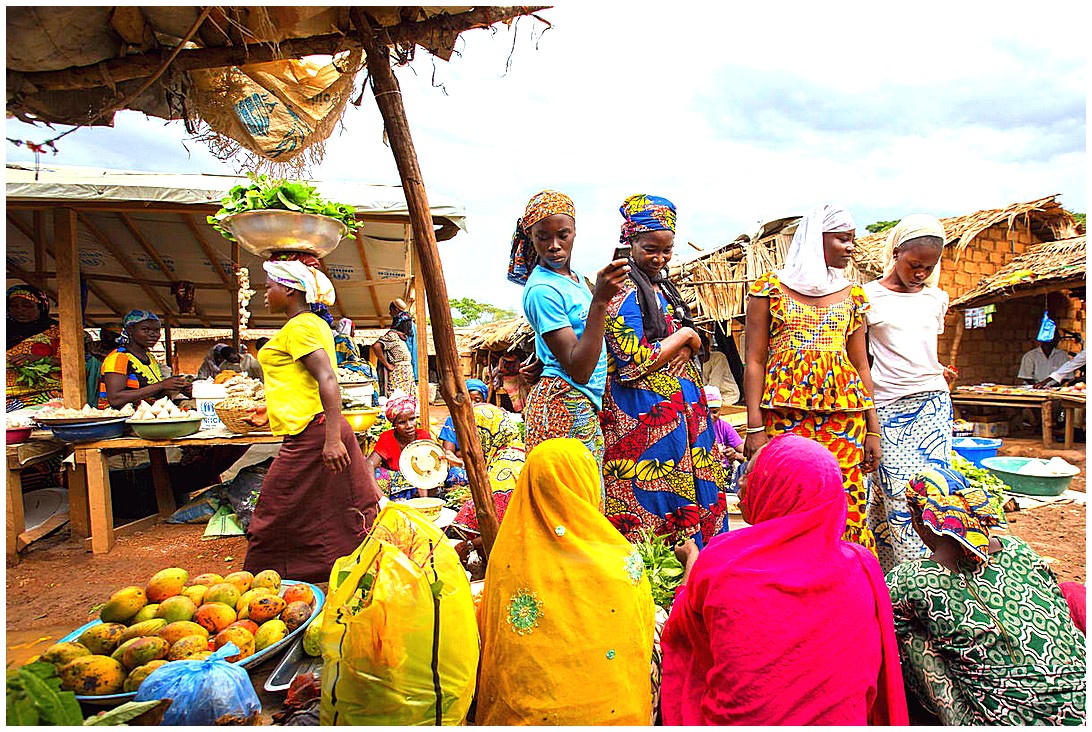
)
(622, 252)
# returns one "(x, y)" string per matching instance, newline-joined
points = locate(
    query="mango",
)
(267, 578)
(271, 632)
(312, 637)
(208, 579)
(145, 650)
(298, 593)
(295, 615)
(176, 608)
(186, 647)
(242, 580)
(166, 583)
(196, 593)
(148, 627)
(178, 630)
(148, 612)
(93, 676)
(119, 652)
(214, 617)
(102, 639)
(245, 598)
(123, 605)
(241, 637)
(60, 654)
(224, 592)
(249, 625)
(265, 607)
(136, 676)
(201, 656)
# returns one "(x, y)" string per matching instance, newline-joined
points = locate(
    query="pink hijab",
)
(783, 622)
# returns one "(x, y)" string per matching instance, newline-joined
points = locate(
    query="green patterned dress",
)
(993, 644)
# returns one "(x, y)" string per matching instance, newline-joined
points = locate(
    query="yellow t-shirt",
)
(291, 393)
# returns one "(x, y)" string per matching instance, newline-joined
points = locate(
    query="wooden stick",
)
(73, 374)
(422, 341)
(140, 66)
(151, 252)
(123, 260)
(389, 99)
(235, 323)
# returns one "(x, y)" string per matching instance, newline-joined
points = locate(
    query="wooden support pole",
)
(422, 342)
(389, 99)
(168, 347)
(234, 296)
(961, 325)
(66, 251)
(39, 240)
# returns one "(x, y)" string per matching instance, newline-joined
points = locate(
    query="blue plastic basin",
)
(976, 449)
(90, 432)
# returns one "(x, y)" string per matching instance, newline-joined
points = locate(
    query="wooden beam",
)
(202, 242)
(422, 342)
(67, 252)
(367, 272)
(168, 314)
(31, 279)
(159, 262)
(389, 99)
(144, 65)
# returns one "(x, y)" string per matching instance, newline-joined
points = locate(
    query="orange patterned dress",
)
(813, 390)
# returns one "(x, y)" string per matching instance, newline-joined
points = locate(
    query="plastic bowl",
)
(1006, 468)
(430, 507)
(976, 449)
(166, 429)
(90, 432)
(361, 419)
(19, 434)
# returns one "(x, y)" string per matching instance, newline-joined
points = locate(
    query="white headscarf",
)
(912, 227)
(806, 269)
(315, 285)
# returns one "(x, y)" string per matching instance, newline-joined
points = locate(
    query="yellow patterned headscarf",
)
(566, 618)
(542, 204)
(951, 507)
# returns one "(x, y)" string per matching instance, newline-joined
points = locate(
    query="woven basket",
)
(234, 419)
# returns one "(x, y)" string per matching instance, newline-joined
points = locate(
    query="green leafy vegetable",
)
(34, 697)
(662, 567)
(36, 373)
(120, 715)
(264, 194)
(983, 479)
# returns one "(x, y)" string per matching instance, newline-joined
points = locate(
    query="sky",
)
(737, 113)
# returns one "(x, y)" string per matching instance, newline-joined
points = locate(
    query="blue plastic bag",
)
(203, 692)
(1046, 329)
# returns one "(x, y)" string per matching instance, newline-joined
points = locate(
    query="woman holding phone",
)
(660, 470)
(569, 320)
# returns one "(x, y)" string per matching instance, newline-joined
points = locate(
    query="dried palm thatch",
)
(1044, 216)
(501, 335)
(1051, 266)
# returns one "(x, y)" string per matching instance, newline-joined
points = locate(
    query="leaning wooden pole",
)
(389, 99)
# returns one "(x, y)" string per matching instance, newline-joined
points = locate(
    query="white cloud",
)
(944, 108)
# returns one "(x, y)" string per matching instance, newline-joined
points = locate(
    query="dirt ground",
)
(54, 587)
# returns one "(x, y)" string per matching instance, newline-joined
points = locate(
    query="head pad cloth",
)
(399, 406)
(523, 257)
(479, 386)
(301, 272)
(806, 269)
(912, 227)
(951, 507)
(646, 213)
(344, 327)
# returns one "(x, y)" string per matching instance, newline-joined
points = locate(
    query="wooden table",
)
(92, 479)
(1044, 399)
(20, 456)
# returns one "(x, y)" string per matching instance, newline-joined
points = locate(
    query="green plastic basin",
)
(1006, 468)
(166, 429)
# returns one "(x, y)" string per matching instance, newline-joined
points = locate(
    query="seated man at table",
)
(1069, 371)
(1038, 363)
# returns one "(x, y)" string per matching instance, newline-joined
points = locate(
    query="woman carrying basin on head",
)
(807, 359)
(568, 319)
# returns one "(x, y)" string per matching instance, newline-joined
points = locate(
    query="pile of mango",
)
(173, 618)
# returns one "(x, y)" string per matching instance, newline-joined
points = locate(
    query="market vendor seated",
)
(33, 350)
(130, 373)
(347, 351)
(382, 465)
(1038, 363)
(219, 358)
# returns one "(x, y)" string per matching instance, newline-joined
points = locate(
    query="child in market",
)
(728, 442)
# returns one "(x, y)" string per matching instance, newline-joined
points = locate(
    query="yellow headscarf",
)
(566, 618)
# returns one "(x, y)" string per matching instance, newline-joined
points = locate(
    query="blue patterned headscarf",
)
(479, 386)
(132, 318)
(646, 213)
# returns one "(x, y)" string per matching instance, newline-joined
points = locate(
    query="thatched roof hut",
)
(1049, 267)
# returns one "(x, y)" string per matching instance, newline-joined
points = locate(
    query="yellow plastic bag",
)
(399, 638)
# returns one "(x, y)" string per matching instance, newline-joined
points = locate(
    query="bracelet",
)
(755, 430)
(872, 434)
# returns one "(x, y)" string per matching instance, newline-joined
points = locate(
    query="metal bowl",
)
(264, 232)
(166, 429)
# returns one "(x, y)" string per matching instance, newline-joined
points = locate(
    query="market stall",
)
(1045, 400)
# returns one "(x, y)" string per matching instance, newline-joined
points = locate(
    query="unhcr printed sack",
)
(399, 635)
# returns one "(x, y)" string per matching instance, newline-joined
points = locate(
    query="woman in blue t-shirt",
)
(568, 319)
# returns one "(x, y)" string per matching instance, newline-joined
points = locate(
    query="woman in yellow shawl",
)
(566, 617)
